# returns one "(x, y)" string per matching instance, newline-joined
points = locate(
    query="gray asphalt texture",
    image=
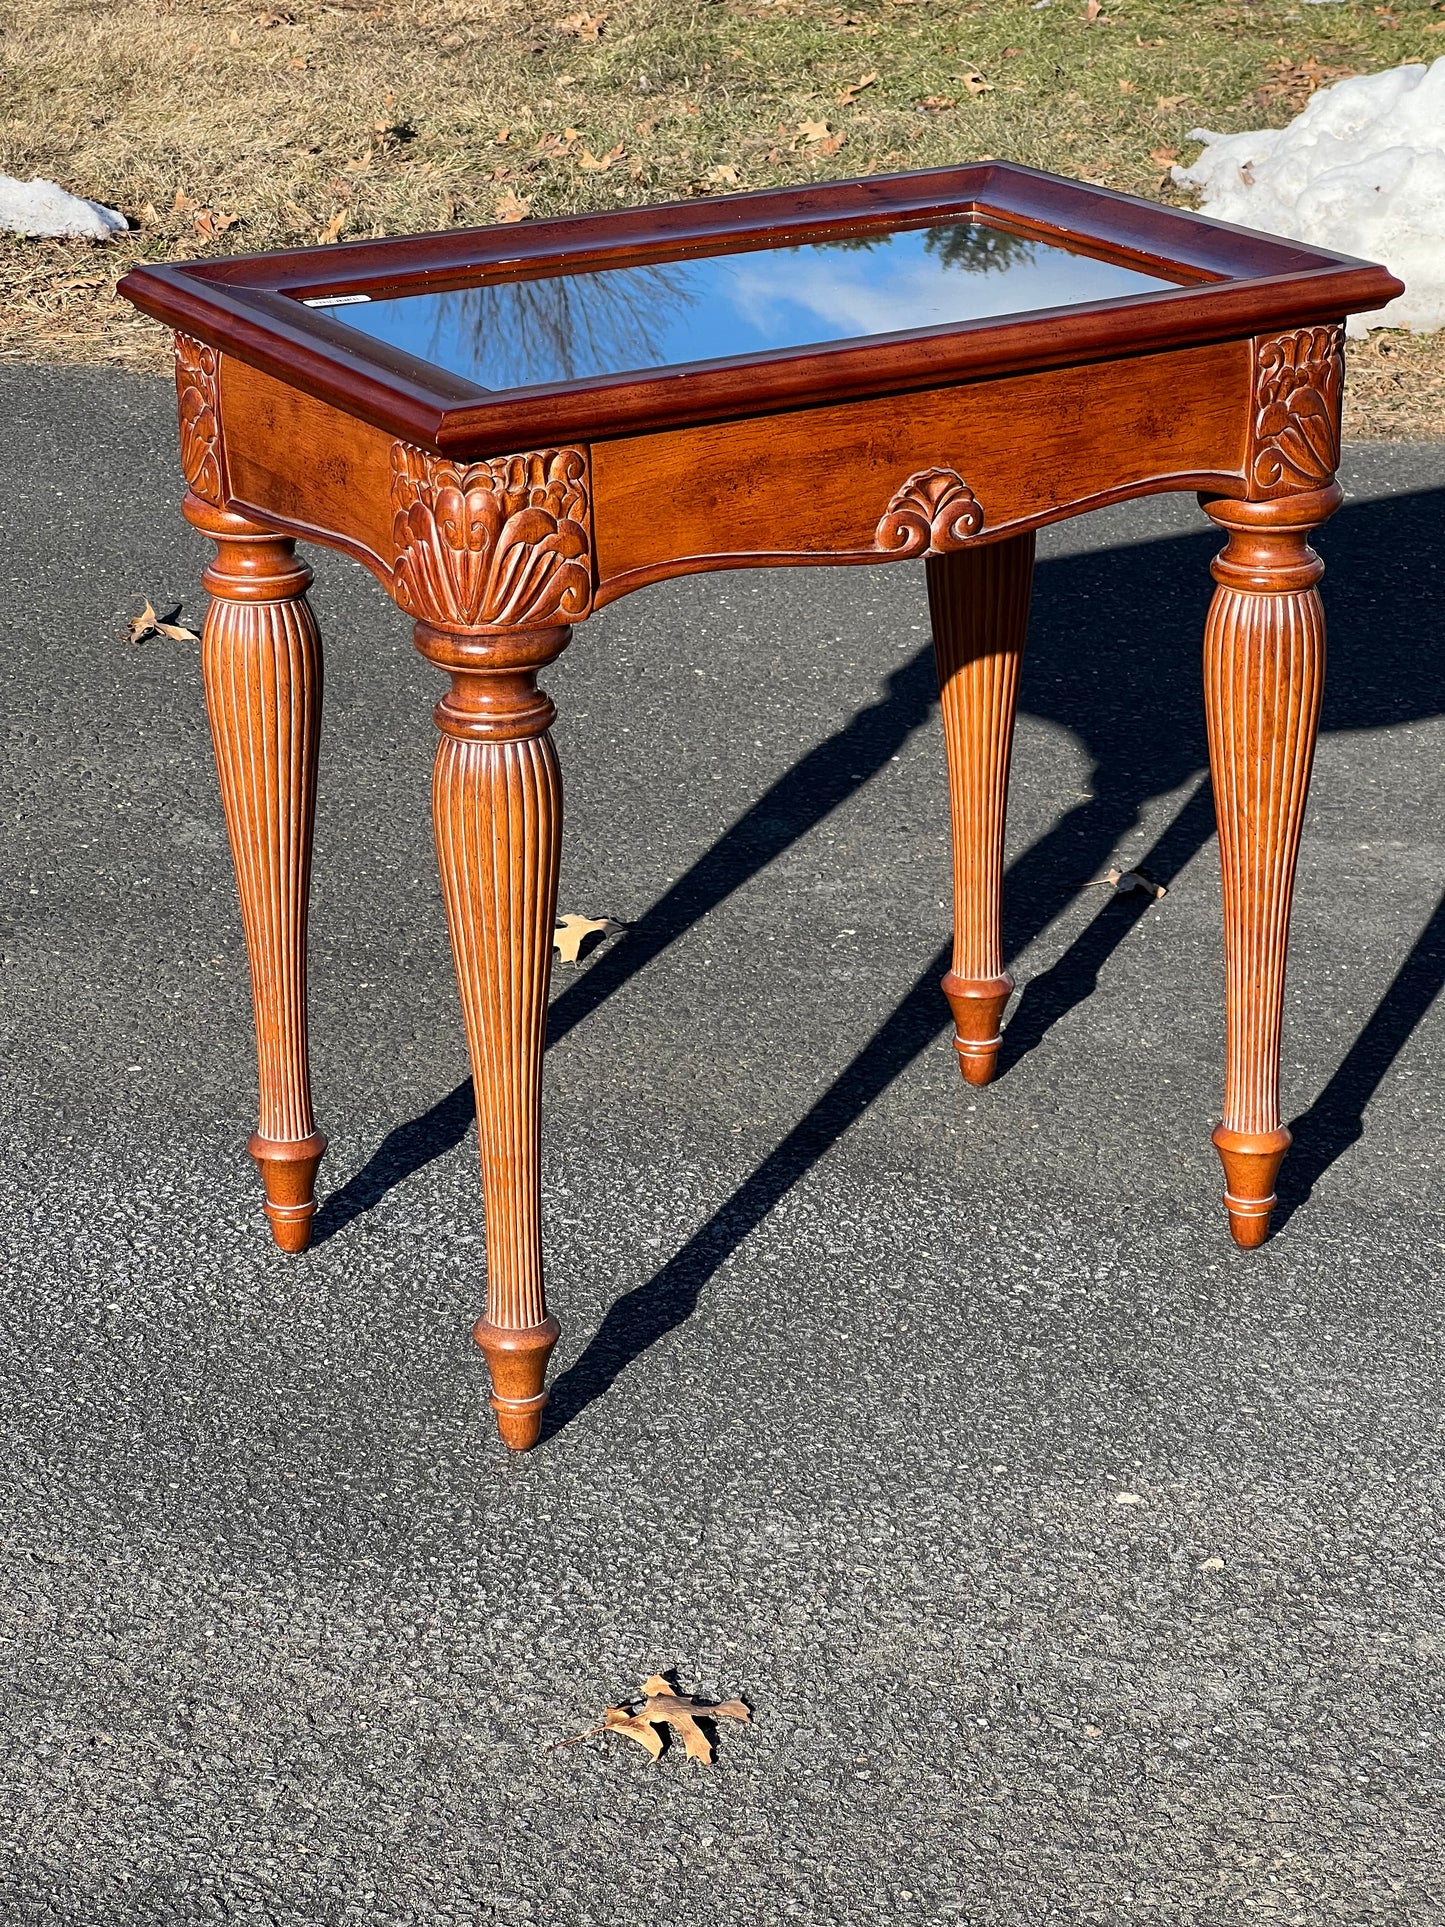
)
(856, 1362)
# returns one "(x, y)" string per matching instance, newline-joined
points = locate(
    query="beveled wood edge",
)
(400, 403)
(1122, 224)
(230, 306)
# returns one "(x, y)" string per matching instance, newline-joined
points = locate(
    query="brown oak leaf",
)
(148, 623)
(1126, 880)
(680, 1712)
(573, 933)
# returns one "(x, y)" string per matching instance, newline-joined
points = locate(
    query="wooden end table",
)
(512, 427)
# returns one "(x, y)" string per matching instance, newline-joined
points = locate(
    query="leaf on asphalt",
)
(148, 623)
(664, 1705)
(575, 937)
(1124, 880)
(846, 96)
(511, 207)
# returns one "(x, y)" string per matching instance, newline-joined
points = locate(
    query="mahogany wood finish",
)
(979, 602)
(261, 660)
(1264, 660)
(498, 520)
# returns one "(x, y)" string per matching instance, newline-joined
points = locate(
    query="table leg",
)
(261, 660)
(979, 602)
(1264, 658)
(497, 809)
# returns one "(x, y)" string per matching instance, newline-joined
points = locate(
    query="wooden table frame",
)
(497, 520)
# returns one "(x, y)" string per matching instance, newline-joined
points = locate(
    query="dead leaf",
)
(183, 203)
(1092, 11)
(583, 26)
(332, 230)
(1127, 87)
(503, 135)
(207, 222)
(938, 103)
(725, 176)
(812, 131)
(511, 207)
(570, 938)
(599, 163)
(664, 1705)
(1163, 156)
(1166, 103)
(235, 37)
(148, 623)
(1292, 82)
(845, 96)
(1125, 880)
(975, 84)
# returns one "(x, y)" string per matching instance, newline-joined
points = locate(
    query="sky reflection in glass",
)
(513, 334)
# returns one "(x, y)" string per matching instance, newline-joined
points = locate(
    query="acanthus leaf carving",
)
(1299, 379)
(505, 542)
(934, 513)
(198, 405)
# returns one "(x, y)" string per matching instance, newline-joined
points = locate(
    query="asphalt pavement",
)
(1077, 1567)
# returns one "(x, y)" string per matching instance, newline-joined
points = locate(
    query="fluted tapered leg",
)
(1264, 658)
(979, 602)
(497, 807)
(261, 658)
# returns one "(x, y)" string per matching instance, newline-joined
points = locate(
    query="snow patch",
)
(1361, 170)
(40, 207)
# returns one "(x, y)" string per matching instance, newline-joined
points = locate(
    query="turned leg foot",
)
(1264, 655)
(979, 603)
(497, 808)
(261, 661)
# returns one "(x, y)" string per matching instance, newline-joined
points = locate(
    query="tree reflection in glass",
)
(569, 324)
(751, 300)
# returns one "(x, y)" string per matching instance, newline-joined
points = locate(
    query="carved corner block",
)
(934, 513)
(198, 404)
(1298, 386)
(505, 543)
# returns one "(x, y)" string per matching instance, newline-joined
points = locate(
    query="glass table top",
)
(569, 327)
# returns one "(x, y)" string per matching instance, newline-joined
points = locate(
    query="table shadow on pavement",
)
(1138, 714)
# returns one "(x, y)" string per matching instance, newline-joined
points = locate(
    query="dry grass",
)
(219, 127)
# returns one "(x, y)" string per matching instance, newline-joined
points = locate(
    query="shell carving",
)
(1298, 382)
(506, 542)
(933, 513)
(200, 417)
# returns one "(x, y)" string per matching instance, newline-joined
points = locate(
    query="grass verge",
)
(220, 127)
